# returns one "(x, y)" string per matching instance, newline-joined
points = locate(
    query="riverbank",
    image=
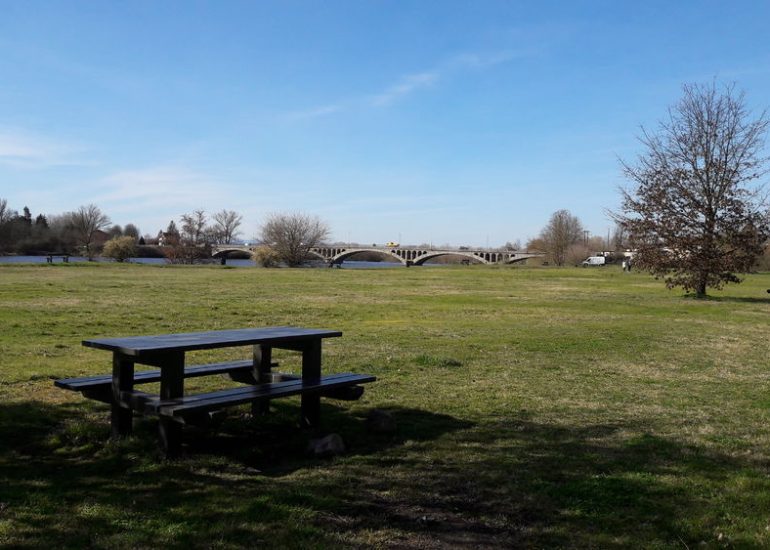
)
(535, 408)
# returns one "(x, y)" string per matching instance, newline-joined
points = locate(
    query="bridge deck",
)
(408, 255)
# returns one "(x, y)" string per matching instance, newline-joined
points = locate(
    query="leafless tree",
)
(130, 230)
(85, 222)
(193, 226)
(292, 236)
(226, 224)
(692, 214)
(115, 231)
(619, 238)
(192, 243)
(563, 230)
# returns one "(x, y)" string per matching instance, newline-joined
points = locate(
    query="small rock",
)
(331, 445)
(379, 421)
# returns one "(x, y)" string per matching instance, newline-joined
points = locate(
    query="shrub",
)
(266, 256)
(120, 248)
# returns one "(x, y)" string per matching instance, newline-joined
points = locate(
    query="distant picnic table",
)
(166, 352)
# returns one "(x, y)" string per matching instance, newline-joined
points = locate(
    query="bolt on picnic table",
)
(174, 408)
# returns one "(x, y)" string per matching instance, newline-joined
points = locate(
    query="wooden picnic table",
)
(174, 408)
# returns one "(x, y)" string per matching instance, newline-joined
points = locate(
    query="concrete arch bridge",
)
(408, 256)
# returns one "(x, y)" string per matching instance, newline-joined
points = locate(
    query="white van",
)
(594, 260)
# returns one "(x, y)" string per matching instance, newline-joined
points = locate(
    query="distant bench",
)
(175, 409)
(64, 258)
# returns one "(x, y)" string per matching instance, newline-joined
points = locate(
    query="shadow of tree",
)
(437, 482)
(733, 299)
(520, 483)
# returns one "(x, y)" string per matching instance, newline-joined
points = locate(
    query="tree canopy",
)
(692, 214)
(562, 231)
(292, 236)
(85, 222)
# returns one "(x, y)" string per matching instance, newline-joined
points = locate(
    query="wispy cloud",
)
(486, 60)
(412, 83)
(166, 184)
(321, 111)
(23, 150)
(405, 86)
(151, 196)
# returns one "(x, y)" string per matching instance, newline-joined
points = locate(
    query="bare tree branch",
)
(292, 236)
(85, 222)
(226, 224)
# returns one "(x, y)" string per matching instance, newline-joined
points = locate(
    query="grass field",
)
(535, 407)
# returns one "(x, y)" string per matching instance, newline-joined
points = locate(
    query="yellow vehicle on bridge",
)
(391, 244)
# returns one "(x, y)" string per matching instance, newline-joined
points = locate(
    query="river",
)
(163, 261)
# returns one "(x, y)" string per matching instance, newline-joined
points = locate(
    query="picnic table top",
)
(139, 345)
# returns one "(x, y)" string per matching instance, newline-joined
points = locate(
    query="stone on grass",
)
(331, 445)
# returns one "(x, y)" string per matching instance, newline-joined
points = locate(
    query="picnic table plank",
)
(139, 346)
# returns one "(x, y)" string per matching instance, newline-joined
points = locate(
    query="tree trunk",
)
(700, 290)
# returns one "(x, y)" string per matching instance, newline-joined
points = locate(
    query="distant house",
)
(166, 238)
(100, 237)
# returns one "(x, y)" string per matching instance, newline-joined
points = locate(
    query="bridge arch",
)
(345, 254)
(224, 251)
(317, 255)
(430, 255)
(523, 258)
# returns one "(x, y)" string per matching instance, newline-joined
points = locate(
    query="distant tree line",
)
(191, 240)
(286, 238)
(565, 241)
(82, 231)
(89, 231)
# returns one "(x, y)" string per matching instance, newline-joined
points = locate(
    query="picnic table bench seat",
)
(192, 406)
(99, 387)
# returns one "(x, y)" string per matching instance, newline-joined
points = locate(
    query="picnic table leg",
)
(262, 359)
(171, 386)
(311, 372)
(121, 418)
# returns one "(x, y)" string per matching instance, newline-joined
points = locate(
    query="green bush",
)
(120, 248)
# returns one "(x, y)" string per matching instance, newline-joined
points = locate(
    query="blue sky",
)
(459, 122)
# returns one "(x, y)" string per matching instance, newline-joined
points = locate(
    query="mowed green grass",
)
(535, 407)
